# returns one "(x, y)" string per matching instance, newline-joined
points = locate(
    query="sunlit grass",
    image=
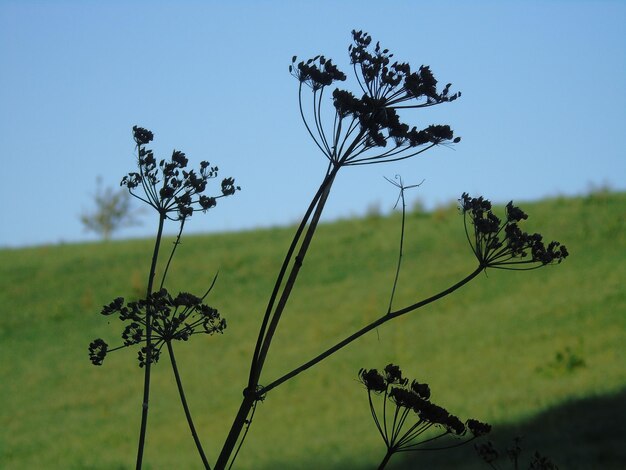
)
(489, 351)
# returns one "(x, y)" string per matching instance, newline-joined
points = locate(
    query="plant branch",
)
(270, 321)
(176, 243)
(268, 312)
(367, 328)
(385, 460)
(291, 280)
(183, 401)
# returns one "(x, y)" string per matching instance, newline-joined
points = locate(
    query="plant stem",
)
(385, 460)
(245, 433)
(367, 328)
(183, 401)
(395, 280)
(146, 382)
(291, 281)
(268, 312)
(233, 435)
(176, 243)
(270, 321)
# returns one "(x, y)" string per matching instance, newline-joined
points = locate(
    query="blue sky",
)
(542, 111)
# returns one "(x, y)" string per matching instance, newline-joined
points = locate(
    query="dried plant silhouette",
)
(408, 414)
(156, 321)
(348, 130)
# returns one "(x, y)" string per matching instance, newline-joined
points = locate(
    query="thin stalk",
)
(176, 243)
(385, 460)
(412, 448)
(385, 417)
(146, 382)
(367, 328)
(183, 401)
(395, 280)
(243, 438)
(413, 432)
(400, 425)
(395, 430)
(376, 421)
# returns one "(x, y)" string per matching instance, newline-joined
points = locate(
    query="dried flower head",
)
(172, 318)
(477, 428)
(502, 244)
(168, 186)
(368, 129)
(393, 375)
(97, 351)
(373, 380)
(414, 413)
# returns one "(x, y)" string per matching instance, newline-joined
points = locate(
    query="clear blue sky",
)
(543, 110)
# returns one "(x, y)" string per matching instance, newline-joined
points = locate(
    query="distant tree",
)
(112, 211)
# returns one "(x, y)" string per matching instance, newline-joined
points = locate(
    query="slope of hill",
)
(540, 353)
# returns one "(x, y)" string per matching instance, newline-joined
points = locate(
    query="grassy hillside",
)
(540, 354)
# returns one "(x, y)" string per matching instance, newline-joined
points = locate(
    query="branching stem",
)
(272, 315)
(383, 319)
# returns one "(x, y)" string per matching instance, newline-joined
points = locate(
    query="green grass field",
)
(538, 354)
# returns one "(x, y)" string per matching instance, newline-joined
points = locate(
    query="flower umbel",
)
(502, 244)
(167, 186)
(368, 129)
(407, 413)
(172, 318)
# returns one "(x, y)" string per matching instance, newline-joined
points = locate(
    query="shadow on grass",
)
(582, 434)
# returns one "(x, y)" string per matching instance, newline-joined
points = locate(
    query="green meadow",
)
(539, 354)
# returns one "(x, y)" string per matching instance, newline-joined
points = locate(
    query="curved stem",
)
(183, 401)
(395, 280)
(367, 328)
(376, 421)
(176, 243)
(146, 382)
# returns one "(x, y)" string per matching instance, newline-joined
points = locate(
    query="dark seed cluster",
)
(168, 186)
(172, 319)
(501, 243)
(407, 404)
(368, 129)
